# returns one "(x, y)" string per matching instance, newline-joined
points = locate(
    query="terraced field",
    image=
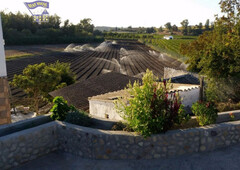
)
(127, 57)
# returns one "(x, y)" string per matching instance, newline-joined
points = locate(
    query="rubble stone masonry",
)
(5, 115)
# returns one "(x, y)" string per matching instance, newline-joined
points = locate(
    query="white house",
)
(103, 105)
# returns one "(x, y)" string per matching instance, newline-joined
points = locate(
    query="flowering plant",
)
(151, 108)
(206, 112)
(232, 117)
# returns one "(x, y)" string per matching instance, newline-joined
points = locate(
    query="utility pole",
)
(5, 114)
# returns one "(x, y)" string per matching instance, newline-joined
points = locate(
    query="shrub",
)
(60, 108)
(222, 107)
(78, 118)
(150, 109)
(206, 112)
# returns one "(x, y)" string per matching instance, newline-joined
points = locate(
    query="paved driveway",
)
(226, 158)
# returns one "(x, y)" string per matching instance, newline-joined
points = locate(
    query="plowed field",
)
(127, 57)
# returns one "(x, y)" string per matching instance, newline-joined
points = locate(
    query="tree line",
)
(185, 28)
(19, 29)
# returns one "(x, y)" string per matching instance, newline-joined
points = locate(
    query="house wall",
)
(101, 108)
(189, 96)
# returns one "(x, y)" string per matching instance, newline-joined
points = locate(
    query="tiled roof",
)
(175, 87)
(185, 79)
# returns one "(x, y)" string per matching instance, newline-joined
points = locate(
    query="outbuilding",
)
(166, 37)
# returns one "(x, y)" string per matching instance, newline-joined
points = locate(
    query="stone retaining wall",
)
(26, 145)
(5, 115)
(91, 143)
(99, 144)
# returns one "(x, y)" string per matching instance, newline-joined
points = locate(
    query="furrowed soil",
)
(131, 58)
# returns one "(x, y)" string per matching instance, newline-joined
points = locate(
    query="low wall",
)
(99, 144)
(26, 145)
(91, 143)
(25, 124)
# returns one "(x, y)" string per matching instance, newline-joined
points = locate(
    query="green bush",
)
(206, 112)
(60, 109)
(78, 118)
(149, 110)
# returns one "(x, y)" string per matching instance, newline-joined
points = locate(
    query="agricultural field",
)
(157, 42)
(171, 47)
(13, 52)
(131, 58)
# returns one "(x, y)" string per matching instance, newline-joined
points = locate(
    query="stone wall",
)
(26, 145)
(91, 143)
(5, 115)
(100, 144)
(97, 144)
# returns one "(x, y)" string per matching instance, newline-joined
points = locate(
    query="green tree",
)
(207, 25)
(168, 26)
(216, 53)
(150, 30)
(54, 21)
(160, 29)
(39, 79)
(67, 76)
(20, 29)
(174, 28)
(184, 24)
(86, 26)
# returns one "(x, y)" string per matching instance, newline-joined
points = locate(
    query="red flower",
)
(208, 104)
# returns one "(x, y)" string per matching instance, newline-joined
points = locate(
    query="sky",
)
(124, 13)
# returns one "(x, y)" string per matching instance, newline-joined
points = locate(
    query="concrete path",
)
(222, 159)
